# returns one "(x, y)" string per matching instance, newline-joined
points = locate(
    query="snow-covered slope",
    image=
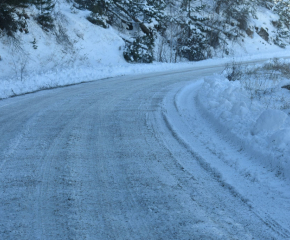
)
(252, 43)
(78, 51)
(74, 43)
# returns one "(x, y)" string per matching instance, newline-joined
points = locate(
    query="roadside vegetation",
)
(267, 82)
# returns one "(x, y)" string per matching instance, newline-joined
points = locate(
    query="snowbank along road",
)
(129, 158)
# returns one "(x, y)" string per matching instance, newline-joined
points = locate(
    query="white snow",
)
(213, 119)
(254, 113)
(270, 121)
(238, 130)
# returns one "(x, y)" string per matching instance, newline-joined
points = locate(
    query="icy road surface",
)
(129, 158)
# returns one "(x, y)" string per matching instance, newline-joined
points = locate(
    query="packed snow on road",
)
(183, 154)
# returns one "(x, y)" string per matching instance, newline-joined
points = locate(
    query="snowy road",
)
(123, 158)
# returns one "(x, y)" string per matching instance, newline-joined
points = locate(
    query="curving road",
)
(100, 161)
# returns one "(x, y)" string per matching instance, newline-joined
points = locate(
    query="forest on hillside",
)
(188, 29)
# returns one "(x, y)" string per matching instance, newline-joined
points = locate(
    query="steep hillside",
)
(76, 41)
(73, 42)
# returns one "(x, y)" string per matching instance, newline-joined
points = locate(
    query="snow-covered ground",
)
(242, 144)
(240, 131)
(254, 112)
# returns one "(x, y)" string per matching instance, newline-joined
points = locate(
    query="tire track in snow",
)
(106, 171)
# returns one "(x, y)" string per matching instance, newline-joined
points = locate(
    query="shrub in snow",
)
(140, 50)
(234, 71)
(97, 19)
(46, 21)
(278, 65)
(44, 18)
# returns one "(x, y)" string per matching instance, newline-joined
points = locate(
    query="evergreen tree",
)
(140, 50)
(44, 17)
(140, 16)
(229, 21)
(172, 27)
(193, 43)
(10, 18)
(238, 10)
(282, 8)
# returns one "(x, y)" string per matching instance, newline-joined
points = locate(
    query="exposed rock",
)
(275, 23)
(250, 33)
(263, 33)
(287, 87)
